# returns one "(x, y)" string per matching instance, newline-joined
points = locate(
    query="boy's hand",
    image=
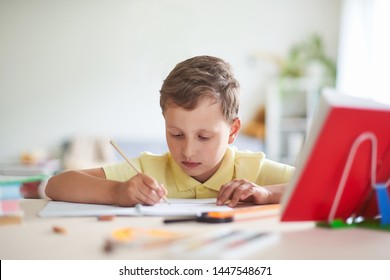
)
(141, 189)
(242, 190)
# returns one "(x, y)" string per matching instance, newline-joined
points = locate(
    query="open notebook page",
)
(178, 207)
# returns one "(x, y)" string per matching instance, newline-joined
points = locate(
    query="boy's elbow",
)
(54, 185)
(49, 187)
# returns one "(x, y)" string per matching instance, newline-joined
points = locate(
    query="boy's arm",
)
(91, 186)
(85, 186)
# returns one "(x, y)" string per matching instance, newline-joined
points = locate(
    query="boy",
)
(199, 101)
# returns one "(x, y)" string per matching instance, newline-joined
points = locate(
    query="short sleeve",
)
(121, 171)
(272, 173)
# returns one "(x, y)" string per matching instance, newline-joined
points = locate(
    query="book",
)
(182, 207)
(11, 220)
(10, 192)
(17, 186)
(10, 207)
(338, 122)
(14, 180)
(10, 212)
(47, 168)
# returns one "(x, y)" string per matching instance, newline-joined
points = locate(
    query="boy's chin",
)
(199, 176)
(191, 172)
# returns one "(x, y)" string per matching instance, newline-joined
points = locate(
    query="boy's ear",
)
(234, 129)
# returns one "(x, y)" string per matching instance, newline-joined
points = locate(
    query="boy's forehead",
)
(205, 112)
(202, 102)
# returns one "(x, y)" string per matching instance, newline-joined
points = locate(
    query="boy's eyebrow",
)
(172, 126)
(200, 130)
(204, 130)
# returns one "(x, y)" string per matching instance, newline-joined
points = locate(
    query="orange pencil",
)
(243, 210)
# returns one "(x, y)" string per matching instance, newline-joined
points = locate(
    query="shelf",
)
(293, 124)
(286, 120)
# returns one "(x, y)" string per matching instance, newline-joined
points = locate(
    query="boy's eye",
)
(177, 135)
(203, 137)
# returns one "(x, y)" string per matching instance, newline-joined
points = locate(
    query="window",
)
(364, 51)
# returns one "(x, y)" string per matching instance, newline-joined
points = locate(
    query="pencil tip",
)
(166, 200)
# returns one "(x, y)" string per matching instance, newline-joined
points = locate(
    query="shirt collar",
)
(223, 175)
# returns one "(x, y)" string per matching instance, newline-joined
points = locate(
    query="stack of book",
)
(11, 191)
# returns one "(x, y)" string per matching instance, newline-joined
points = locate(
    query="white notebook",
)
(177, 207)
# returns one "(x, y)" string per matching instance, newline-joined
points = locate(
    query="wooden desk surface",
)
(86, 236)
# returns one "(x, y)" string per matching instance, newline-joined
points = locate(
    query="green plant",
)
(299, 63)
(302, 54)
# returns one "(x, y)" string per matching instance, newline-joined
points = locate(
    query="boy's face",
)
(198, 138)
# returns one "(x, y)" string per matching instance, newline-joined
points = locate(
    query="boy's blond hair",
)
(198, 78)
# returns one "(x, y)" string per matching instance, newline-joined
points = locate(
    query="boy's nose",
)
(189, 149)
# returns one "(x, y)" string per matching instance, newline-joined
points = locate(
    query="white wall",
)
(95, 67)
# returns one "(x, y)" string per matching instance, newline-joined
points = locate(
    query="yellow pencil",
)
(129, 162)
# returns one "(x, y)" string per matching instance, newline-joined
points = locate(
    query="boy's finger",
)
(224, 194)
(148, 196)
(222, 197)
(153, 185)
(164, 190)
(235, 197)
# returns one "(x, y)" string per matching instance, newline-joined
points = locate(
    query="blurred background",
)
(76, 73)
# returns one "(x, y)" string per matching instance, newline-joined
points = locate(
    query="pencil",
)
(129, 162)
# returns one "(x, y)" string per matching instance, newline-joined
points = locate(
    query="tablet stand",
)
(382, 195)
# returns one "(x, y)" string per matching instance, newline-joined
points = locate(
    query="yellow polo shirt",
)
(235, 165)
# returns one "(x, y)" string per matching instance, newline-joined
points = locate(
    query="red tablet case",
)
(339, 121)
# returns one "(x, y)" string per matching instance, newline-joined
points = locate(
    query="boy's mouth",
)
(190, 164)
